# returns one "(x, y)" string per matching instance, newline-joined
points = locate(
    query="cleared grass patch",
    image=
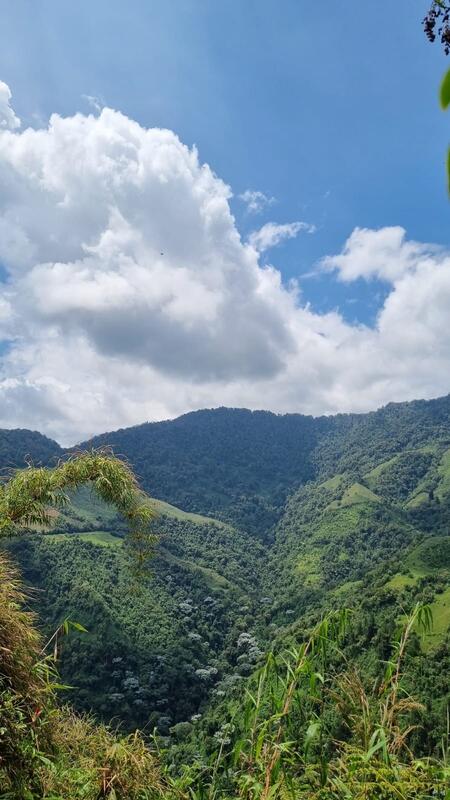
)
(431, 555)
(428, 558)
(167, 510)
(443, 487)
(347, 588)
(417, 500)
(441, 620)
(332, 483)
(356, 494)
(308, 569)
(400, 581)
(212, 579)
(371, 478)
(103, 538)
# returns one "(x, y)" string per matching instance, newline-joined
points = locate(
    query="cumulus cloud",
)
(8, 119)
(256, 201)
(383, 254)
(273, 233)
(131, 296)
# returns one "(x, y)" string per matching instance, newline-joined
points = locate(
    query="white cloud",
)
(384, 254)
(8, 119)
(94, 102)
(131, 296)
(256, 201)
(273, 233)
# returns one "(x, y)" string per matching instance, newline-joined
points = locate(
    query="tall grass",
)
(307, 728)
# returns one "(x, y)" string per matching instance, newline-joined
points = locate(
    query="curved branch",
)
(26, 498)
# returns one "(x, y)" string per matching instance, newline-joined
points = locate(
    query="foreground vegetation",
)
(338, 709)
(305, 726)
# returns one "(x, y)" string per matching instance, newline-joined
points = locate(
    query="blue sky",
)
(130, 292)
(329, 107)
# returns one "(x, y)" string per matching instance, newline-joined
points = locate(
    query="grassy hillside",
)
(265, 524)
(354, 538)
(241, 466)
(158, 648)
(337, 536)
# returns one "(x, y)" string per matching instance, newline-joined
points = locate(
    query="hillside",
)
(387, 529)
(265, 524)
(19, 446)
(162, 645)
(241, 465)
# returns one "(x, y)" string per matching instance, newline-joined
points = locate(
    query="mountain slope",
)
(153, 651)
(241, 466)
(343, 541)
(265, 523)
(20, 445)
(232, 463)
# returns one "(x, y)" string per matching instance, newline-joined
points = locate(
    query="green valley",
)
(267, 526)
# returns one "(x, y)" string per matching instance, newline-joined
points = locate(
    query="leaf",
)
(312, 734)
(62, 686)
(444, 94)
(47, 762)
(77, 626)
(259, 744)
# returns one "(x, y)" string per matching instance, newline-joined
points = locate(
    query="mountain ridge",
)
(240, 465)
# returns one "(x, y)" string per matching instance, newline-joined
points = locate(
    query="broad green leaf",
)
(77, 626)
(444, 94)
(312, 733)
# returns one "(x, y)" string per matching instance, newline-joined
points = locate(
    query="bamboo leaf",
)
(444, 94)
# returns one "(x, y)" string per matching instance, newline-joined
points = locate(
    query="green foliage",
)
(445, 91)
(91, 761)
(241, 466)
(29, 495)
(47, 752)
(19, 447)
(158, 648)
(25, 682)
(308, 727)
(352, 510)
(229, 463)
(437, 26)
(445, 103)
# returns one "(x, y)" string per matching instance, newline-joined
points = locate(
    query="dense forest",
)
(316, 519)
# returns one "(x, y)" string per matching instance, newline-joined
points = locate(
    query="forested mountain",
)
(266, 523)
(19, 446)
(242, 465)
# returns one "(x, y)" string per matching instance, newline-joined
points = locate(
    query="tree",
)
(437, 25)
(26, 499)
